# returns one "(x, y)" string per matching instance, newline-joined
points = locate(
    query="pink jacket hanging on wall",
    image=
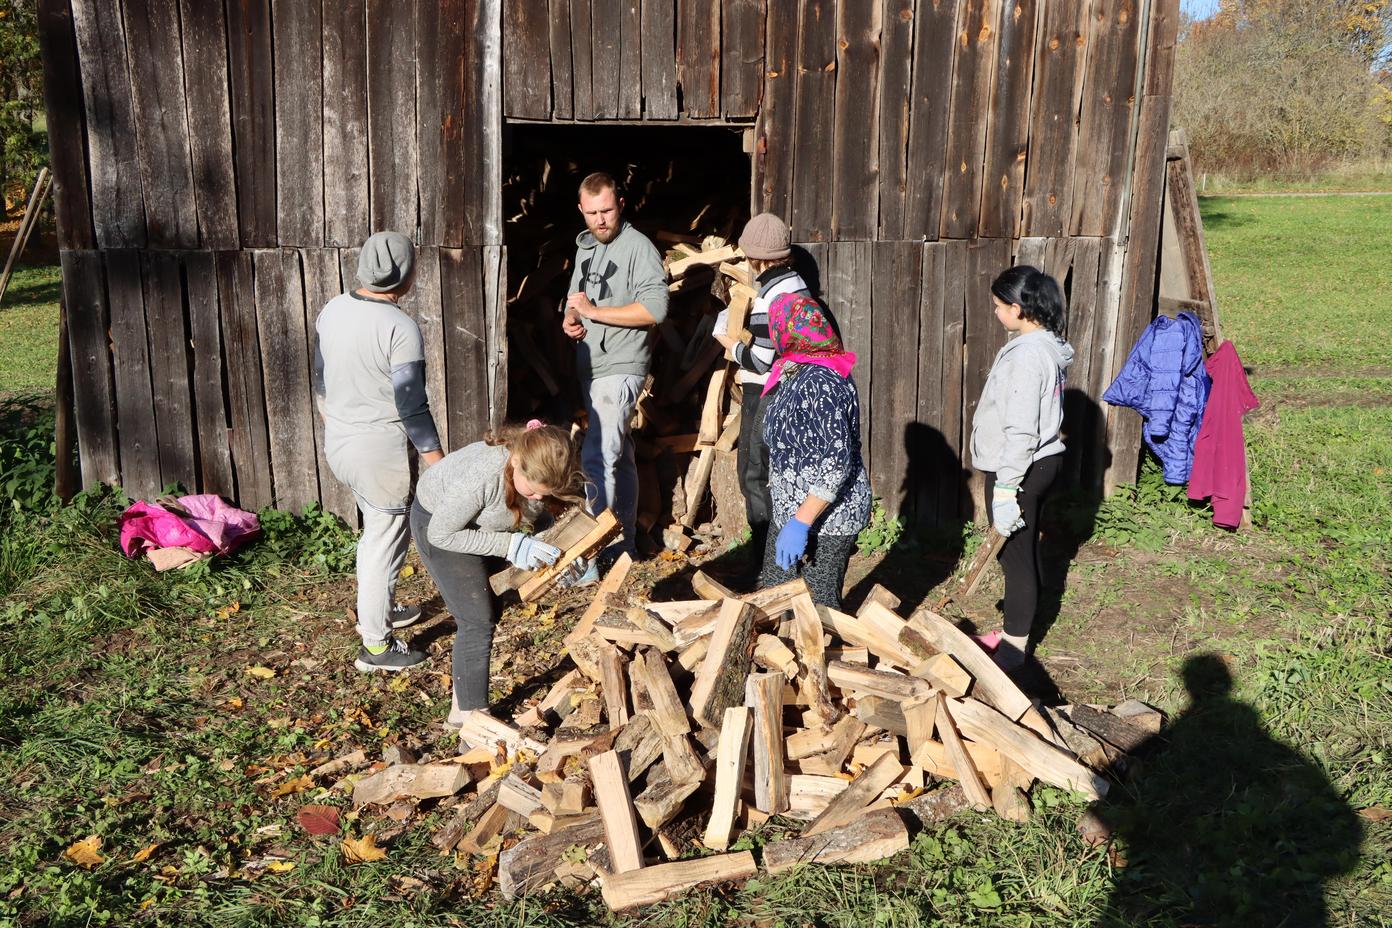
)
(1220, 452)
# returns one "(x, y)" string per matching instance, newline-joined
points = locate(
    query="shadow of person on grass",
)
(1223, 824)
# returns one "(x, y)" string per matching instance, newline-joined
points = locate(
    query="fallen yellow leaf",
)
(146, 904)
(234, 703)
(144, 853)
(262, 673)
(280, 866)
(280, 722)
(84, 852)
(362, 850)
(230, 609)
(407, 571)
(289, 787)
(399, 682)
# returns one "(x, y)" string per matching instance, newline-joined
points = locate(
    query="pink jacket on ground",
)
(211, 526)
(1220, 451)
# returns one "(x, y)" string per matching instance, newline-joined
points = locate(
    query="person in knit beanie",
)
(369, 382)
(767, 244)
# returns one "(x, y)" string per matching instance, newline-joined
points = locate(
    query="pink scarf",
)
(801, 334)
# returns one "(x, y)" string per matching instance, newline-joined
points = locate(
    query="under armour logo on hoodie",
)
(599, 281)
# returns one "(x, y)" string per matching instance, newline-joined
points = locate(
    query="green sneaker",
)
(395, 655)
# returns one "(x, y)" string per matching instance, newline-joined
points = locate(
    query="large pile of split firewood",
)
(683, 724)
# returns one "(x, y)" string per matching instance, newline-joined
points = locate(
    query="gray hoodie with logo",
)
(626, 270)
(1020, 414)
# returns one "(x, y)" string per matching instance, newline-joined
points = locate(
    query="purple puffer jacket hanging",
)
(1165, 381)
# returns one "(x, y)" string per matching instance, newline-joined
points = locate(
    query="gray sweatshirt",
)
(369, 370)
(466, 498)
(627, 270)
(1018, 419)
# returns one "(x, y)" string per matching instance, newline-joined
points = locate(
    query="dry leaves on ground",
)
(318, 820)
(84, 853)
(362, 850)
(289, 787)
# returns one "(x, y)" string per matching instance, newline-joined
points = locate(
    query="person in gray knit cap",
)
(767, 244)
(618, 293)
(369, 381)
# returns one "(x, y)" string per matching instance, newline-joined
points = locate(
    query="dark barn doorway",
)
(680, 184)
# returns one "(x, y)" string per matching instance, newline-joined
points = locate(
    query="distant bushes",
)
(1283, 88)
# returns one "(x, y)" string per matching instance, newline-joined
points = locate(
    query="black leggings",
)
(462, 580)
(1019, 556)
(824, 570)
(752, 460)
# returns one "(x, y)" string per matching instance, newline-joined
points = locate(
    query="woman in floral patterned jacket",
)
(817, 481)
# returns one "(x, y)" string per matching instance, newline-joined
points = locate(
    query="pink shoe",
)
(989, 642)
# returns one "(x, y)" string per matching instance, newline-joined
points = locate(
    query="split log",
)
(661, 632)
(712, 411)
(1040, 758)
(874, 836)
(530, 864)
(681, 760)
(1146, 717)
(481, 730)
(880, 712)
(616, 809)
(415, 781)
(498, 820)
(659, 803)
(446, 838)
(674, 613)
(559, 700)
(976, 569)
(844, 734)
(945, 674)
(810, 794)
(668, 714)
(834, 757)
(936, 806)
(709, 589)
(878, 594)
(807, 639)
(862, 680)
(1116, 731)
(570, 528)
(764, 695)
(606, 527)
(855, 632)
(920, 716)
(639, 744)
(517, 794)
(611, 671)
(1010, 797)
(729, 775)
(570, 796)
(967, 774)
(863, 790)
(729, 436)
(546, 821)
(696, 486)
(771, 653)
(710, 258)
(719, 682)
(625, 891)
(932, 756)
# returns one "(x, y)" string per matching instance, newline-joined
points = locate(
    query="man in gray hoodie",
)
(618, 293)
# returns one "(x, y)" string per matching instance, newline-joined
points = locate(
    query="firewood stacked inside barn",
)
(684, 724)
(688, 191)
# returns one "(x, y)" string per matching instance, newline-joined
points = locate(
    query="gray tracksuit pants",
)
(376, 468)
(607, 455)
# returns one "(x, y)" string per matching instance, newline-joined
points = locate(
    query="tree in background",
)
(23, 143)
(1284, 86)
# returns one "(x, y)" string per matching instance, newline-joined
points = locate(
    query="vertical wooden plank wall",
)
(917, 147)
(201, 129)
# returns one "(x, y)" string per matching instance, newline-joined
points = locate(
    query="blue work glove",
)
(531, 553)
(1005, 509)
(792, 543)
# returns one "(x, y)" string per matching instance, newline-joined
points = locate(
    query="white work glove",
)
(531, 553)
(1005, 509)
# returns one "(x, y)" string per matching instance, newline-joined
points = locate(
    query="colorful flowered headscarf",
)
(802, 334)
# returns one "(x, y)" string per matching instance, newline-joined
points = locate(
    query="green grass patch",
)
(29, 330)
(1354, 179)
(1301, 280)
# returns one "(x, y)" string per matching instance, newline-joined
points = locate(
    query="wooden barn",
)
(218, 162)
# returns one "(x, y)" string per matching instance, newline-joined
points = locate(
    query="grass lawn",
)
(171, 717)
(29, 330)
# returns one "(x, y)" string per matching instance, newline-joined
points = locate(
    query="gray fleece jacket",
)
(626, 270)
(1018, 419)
(465, 495)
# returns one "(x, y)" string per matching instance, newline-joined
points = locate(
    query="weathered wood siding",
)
(221, 162)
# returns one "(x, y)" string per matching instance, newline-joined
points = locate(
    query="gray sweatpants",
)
(607, 455)
(376, 468)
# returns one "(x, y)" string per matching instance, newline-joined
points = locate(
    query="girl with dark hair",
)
(1015, 439)
(817, 482)
(471, 506)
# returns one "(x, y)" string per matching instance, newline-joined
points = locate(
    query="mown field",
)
(129, 711)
